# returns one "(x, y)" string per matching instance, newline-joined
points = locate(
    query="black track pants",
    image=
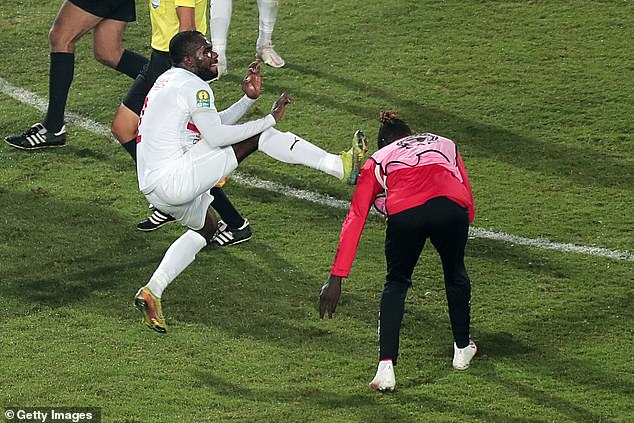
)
(446, 224)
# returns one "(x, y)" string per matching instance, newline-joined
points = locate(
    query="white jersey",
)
(178, 112)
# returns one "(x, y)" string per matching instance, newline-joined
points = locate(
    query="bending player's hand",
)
(252, 83)
(329, 296)
(280, 107)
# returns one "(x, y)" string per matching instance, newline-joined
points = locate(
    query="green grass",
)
(538, 95)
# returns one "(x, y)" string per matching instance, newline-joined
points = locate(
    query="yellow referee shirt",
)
(165, 21)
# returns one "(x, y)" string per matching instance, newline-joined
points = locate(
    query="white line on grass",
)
(474, 232)
(39, 103)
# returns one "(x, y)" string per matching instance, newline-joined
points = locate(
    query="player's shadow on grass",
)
(257, 296)
(561, 325)
(523, 258)
(541, 398)
(498, 345)
(65, 252)
(88, 155)
(583, 164)
(263, 289)
(366, 405)
(570, 326)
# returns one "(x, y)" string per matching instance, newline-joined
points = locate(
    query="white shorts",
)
(183, 190)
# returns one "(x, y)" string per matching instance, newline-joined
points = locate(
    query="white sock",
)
(178, 256)
(268, 16)
(220, 12)
(383, 364)
(289, 148)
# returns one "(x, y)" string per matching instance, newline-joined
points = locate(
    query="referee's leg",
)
(107, 44)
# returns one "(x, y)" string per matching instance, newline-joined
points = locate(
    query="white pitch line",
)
(39, 103)
(326, 200)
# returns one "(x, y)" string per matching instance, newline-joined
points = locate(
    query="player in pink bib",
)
(427, 195)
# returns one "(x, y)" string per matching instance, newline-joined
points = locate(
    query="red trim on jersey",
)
(192, 127)
(138, 135)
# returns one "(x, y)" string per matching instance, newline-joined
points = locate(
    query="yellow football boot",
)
(148, 303)
(353, 158)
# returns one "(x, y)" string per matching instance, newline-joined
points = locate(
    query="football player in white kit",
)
(185, 146)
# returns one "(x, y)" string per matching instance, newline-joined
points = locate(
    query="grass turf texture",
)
(536, 94)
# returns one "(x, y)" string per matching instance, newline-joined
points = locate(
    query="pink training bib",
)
(414, 151)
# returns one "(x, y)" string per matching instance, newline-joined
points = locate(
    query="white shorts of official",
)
(183, 190)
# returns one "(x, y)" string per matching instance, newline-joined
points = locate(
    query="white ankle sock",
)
(220, 11)
(178, 256)
(268, 15)
(383, 364)
(290, 148)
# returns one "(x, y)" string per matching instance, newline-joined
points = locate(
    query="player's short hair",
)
(392, 128)
(182, 45)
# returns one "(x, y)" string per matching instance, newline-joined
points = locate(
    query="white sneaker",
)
(270, 56)
(384, 380)
(462, 356)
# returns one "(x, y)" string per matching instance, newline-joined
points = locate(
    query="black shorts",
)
(118, 10)
(159, 63)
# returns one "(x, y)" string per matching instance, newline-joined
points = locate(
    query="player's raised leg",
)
(290, 148)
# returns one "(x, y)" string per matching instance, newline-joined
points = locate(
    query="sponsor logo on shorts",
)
(203, 99)
(155, 4)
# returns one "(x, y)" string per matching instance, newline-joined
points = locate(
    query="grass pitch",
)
(538, 96)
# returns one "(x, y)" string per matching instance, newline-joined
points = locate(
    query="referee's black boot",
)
(36, 137)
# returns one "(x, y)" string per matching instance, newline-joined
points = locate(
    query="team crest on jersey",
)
(155, 4)
(203, 99)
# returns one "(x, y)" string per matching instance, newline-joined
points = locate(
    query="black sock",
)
(225, 209)
(60, 76)
(130, 147)
(131, 63)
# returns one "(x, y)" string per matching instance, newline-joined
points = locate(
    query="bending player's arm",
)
(467, 184)
(365, 193)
